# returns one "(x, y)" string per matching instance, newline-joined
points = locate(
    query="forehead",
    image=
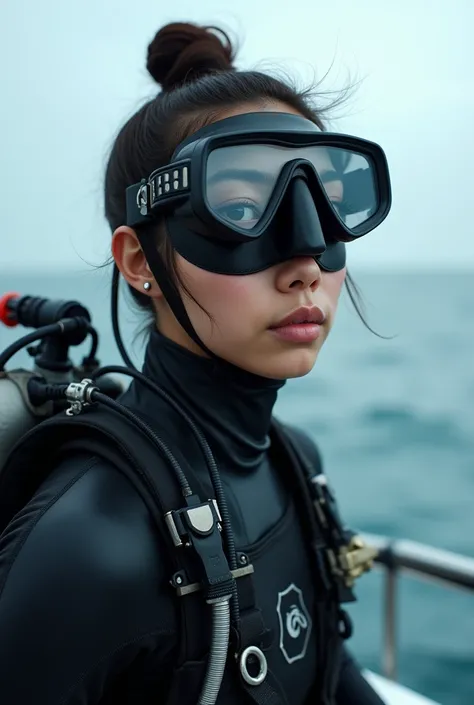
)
(264, 157)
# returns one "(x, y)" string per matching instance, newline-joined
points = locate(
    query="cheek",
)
(223, 296)
(333, 282)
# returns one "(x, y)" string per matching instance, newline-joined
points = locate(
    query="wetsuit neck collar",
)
(233, 407)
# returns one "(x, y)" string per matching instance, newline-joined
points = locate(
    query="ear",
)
(130, 259)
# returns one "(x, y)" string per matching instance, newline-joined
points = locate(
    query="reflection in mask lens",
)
(240, 180)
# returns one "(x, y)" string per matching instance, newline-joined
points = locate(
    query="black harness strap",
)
(334, 623)
(281, 438)
(115, 440)
(109, 436)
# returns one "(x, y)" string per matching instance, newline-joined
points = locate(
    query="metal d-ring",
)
(262, 663)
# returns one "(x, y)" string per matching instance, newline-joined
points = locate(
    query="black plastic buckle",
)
(197, 526)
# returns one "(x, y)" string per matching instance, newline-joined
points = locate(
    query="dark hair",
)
(194, 67)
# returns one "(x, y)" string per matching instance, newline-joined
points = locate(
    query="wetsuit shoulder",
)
(83, 589)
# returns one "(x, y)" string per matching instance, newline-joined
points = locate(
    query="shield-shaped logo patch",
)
(295, 623)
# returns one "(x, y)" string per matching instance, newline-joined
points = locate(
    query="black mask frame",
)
(176, 194)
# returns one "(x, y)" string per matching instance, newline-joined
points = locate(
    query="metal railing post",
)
(390, 625)
(423, 561)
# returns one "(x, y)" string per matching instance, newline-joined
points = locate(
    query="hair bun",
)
(182, 51)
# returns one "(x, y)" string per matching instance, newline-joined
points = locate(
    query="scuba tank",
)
(57, 325)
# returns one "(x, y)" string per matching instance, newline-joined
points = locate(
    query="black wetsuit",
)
(87, 614)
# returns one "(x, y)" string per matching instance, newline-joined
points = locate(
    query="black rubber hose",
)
(210, 461)
(67, 325)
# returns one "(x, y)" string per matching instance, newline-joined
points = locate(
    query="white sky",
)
(72, 72)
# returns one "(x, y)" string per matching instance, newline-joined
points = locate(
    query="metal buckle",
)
(196, 514)
(183, 587)
(355, 559)
(143, 197)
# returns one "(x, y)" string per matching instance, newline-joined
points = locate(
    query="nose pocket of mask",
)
(305, 236)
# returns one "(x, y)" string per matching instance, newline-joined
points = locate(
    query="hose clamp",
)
(79, 395)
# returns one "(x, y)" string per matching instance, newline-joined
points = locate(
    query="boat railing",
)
(398, 556)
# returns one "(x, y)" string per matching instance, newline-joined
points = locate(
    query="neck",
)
(231, 406)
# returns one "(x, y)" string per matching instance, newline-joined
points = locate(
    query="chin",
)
(291, 364)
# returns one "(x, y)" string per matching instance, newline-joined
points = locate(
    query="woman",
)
(235, 246)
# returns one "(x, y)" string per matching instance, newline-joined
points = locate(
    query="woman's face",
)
(245, 311)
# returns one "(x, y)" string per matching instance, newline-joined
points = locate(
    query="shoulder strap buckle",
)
(352, 557)
(353, 560)
(197, 526)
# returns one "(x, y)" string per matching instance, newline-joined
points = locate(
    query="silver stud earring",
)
(147, 286)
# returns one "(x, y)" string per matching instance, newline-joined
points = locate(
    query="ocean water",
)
(395, 423)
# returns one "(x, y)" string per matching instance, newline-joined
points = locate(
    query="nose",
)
(298, 274)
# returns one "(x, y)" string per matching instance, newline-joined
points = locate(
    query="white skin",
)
(243, 307)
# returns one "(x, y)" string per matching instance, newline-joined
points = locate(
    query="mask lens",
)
(240, 180)
(351, 186)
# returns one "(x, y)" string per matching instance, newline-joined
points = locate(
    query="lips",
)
(302, 315)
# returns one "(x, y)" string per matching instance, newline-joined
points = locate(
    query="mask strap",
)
(169, 290)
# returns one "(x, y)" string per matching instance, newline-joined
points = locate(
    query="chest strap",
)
(341, 554)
